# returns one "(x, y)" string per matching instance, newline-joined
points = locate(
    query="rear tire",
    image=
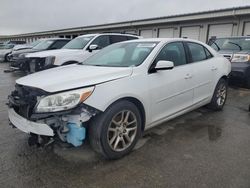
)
(115, 132)
(220, 95)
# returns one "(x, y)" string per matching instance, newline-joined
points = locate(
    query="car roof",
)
(55, 39)
(164, 40)
(234, 37)
(99, 34)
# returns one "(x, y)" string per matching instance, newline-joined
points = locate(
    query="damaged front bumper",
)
(29, 126)
(67, 126)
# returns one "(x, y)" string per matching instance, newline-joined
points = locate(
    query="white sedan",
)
(118, 93)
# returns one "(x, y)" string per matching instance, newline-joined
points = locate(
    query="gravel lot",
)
(200, 149)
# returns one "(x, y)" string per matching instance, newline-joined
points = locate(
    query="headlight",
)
(240, 58)
(63, 101)
(49, 60)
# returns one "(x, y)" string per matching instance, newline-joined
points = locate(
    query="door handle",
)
(188, 76)
(214, 68)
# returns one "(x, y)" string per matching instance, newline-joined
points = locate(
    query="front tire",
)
(220, 95)
(6, 58)
(115, 132)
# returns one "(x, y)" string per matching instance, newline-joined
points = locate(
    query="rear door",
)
(203, 67)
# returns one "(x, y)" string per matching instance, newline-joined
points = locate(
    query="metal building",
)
(200, 26)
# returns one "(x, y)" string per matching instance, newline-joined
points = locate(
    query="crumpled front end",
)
(31, 65)
(66, 126)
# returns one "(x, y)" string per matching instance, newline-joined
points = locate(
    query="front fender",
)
(107, 93)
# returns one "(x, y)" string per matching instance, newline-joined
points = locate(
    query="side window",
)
(197, 52)
(173, 52)
(102, 41)
(58, 44)
(117, 38)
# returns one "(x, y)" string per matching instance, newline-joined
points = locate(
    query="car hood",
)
(73, 76)
(229, 53)
(5, 51)
(234, 51)
(24, 51)
(53, 53)
(21, 47)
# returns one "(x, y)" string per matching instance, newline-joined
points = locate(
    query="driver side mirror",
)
(164, 65)
(93, 47)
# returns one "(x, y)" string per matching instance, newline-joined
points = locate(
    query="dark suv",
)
(237, 50)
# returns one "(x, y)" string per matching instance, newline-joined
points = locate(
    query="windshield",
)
(78, 43)
(122, 54)
(33, 44)
(231, 44)
(43, 45)
(7, 46)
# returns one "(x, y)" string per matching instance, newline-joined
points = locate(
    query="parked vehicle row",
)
(7, 47)
(73, 52)
(237, 50)
(113, 96)
(19, 60)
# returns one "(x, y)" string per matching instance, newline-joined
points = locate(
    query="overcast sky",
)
(22, 16)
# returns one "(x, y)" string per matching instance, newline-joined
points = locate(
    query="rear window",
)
(197, 52)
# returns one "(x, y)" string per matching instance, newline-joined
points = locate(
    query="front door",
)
(171, 90)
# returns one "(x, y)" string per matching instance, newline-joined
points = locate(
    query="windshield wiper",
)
(236, 45)
(216, 44)
(81, 63)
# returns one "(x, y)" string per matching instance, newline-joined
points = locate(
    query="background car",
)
(18, 57)
(75, 51)
(39, 45)
(237, 50)
(5, 50)
(16, 42)
(116, 94)
(25, 46)
(19, 47)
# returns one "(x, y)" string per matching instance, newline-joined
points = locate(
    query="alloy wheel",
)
(221, 95)
(122, 130)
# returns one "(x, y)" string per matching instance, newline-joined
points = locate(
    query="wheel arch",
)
(138, 104)
(6, 56)
(69, 62)
(224, 77)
